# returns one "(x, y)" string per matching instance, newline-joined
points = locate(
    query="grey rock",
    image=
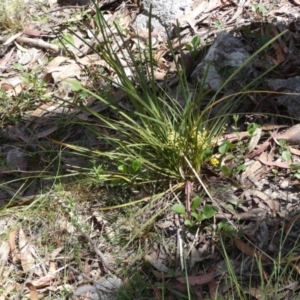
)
(106, 288)
(290, 102)
(227, 52)
(163, 14)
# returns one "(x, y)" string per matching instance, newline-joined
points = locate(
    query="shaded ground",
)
(53, 227)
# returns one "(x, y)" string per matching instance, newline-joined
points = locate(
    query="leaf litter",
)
(263, 200)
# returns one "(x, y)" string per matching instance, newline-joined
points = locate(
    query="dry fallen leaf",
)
(272, 204)
(291, 135)
(198, 280)
(255, 292)
(260, 149)
(160, 275)
(290, 223)
(12, 244)
(63, 72)
(16, 159)
(152, 259)
(177, 286)
(254, 139)
(157, 292)
(44, 281)
(248, 250)
(27, 260)
(278, 164)
(4, 253)
(32, 291)
(6, 291)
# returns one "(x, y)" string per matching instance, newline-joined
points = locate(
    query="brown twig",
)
(98, 252)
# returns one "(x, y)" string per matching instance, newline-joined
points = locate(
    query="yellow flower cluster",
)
(214, 161)
(198, 138)
(174, 139)
(202, 138)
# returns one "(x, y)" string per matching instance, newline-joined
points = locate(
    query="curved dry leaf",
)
(32, 291)
(156, 263)
(44, 281)
(290, 70)
(55, 252)
(289, 259)
(290, 223)
(248, 250)
(254, 139)
(233, 137)
(280, 57)
(260, 149)
(160, 275)
(255, 292)
(46, 132)
(292, 135)
(212, 285)
(39, 43)
(294, 151)
(6, 291)
(66, 71)
(16, 160)
(213, 289)
(198, 280)
(159, 75)
(27, 260)
(156, 292)
(4, 253)
(84, 289)
(12, 38)
(159, 57)
(12, 244)
(33, 32)
(273, 205)
(6, 60)
(296, 267)
(278, 164)
(252, 169)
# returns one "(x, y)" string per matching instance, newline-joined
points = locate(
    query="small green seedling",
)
(259, 8)
(235, 120)
(194, 46)
(295, 169)
(285, 153)
(251, 129)
(207, 212)
(225, 227)
(224, 149)
(133, 167)
(219, 24)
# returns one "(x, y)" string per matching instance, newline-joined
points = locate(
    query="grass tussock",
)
(148, 161)
(14, 14)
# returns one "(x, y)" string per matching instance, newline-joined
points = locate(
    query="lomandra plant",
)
(150, 140)
(156, 137)
(12, 16)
